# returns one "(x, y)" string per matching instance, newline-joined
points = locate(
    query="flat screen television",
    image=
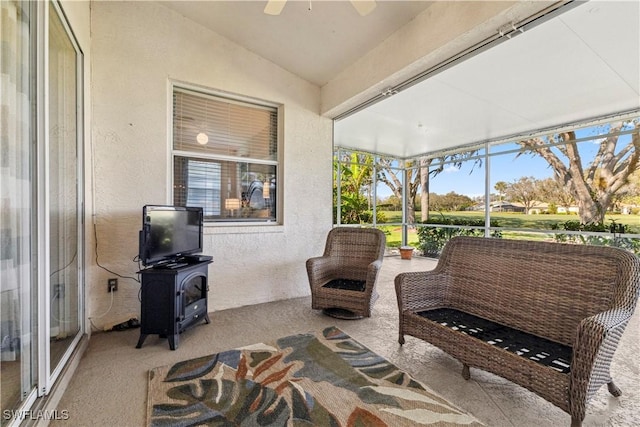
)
(169, 233)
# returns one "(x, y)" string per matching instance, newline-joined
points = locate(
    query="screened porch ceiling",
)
(581, 65)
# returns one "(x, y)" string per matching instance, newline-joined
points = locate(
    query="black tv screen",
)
(169, 232)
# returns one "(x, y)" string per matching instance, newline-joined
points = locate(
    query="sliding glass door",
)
(41, 250)
(64, 185)
(18, 303)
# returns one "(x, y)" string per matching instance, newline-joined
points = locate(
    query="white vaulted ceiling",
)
(582, 64)
(313, 39)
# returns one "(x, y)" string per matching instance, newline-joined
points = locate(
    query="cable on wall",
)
(95, 239)
(103, 314)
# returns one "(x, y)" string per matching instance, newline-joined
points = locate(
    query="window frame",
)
(223, 96)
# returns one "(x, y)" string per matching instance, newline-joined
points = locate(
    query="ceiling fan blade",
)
(364, 7)
(274, 7)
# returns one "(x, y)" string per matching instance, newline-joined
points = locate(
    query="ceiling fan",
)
(364, 7)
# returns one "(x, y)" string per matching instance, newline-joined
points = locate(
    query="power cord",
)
(57, 293)
(66, 266)
(95, 238)
(103, 314)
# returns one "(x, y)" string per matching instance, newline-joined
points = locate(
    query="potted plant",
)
(406, 252)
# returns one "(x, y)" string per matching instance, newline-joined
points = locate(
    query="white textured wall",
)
(137, 47)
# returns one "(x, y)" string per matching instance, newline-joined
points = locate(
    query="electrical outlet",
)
(113, 285)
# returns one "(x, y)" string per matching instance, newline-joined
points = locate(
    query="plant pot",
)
(406, 252)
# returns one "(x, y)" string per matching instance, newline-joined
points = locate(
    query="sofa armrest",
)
(421, 290)
(596, 340)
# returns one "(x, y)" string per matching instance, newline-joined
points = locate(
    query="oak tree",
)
(593, 185)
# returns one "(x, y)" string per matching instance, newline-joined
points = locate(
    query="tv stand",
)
(173, 298)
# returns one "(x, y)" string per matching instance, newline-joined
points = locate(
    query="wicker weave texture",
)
(577, 295)
(350, 253)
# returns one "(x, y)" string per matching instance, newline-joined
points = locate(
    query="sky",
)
(470, 179)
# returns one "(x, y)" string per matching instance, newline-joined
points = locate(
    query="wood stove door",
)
(193, 301)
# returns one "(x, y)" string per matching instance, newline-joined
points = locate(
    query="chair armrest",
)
(372, 271)
(421, 290)
(372, 275)
(596, 340)
(319, 270)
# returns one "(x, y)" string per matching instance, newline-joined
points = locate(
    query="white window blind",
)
(231, 128)
(225, 155)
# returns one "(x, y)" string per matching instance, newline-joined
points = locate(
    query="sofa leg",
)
(401, 339)
(613, 389)
(576, 422)
(465, 371)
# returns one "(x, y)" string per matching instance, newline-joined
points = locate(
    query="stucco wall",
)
(137, 48)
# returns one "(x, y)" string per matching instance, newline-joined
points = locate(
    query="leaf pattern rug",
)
(326, 379)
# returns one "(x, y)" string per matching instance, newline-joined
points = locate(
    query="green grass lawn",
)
(394, 236)
(519, 220)
(505, 219)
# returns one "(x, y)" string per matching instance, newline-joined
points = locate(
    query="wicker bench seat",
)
(539, 350)
(546, 316)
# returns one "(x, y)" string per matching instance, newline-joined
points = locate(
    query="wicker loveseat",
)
(547, 316)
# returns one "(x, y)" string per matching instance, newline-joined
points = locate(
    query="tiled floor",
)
(110, 385)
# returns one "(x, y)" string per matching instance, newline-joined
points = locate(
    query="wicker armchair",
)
(343, 279)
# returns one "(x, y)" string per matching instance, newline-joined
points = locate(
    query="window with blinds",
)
(225, 157)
